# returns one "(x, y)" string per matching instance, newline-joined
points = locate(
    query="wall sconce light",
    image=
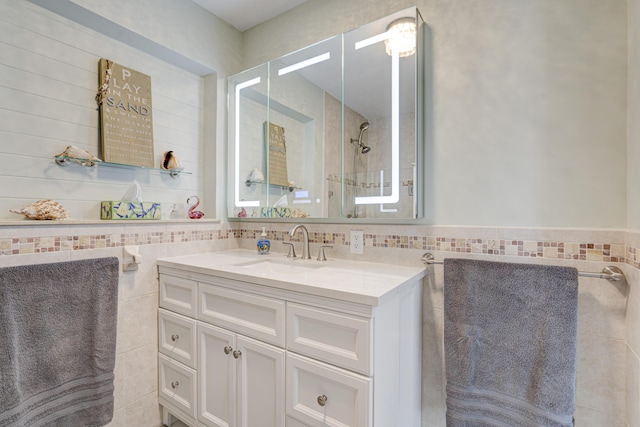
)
(402, 37)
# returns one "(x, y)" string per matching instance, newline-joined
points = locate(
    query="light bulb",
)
(402, 37)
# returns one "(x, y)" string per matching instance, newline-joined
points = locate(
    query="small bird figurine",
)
(242, 213)
(192, 212)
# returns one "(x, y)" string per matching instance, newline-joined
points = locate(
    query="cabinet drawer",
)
(177, 384)
(177, 337)
(251, 315)
(348, 395)
(329, 336)
(178, 294)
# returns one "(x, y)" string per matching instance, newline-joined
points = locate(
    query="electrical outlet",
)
(357, 242)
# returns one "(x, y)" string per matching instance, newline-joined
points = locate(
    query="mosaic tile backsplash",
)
(609, 247)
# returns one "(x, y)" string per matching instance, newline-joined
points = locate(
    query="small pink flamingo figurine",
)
(194, 214)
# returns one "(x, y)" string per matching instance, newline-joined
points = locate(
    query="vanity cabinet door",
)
(260, 375)
(241, 380)
(216, 376)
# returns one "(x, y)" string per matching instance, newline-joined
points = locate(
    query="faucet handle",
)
(292, 250)
(321, 255)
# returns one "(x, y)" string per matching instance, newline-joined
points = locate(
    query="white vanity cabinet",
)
(281, 353)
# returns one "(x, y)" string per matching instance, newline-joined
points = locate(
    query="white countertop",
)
(353, 281)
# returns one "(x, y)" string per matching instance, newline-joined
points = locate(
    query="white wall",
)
(633, 214)
(181, 26)
(633, 118)
(527, 104)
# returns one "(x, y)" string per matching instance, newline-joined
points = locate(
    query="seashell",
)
(299, 213)
(78, 155)
(170, 161)
(43, 209)
(256, 175)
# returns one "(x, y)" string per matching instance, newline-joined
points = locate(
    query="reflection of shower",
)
(363, 127)
(364, 149)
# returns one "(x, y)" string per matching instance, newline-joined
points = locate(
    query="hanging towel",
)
(510, 343)
(58, 334)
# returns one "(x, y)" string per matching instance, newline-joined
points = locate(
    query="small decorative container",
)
(125, 209)
(275, 212)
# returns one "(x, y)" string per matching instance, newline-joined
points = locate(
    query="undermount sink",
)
(287, 266)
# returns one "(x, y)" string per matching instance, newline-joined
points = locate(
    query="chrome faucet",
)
(305, 239)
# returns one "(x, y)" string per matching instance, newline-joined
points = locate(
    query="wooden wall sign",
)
(277, 154)
(126, 125)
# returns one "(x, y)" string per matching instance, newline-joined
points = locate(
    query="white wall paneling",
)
(48, 79)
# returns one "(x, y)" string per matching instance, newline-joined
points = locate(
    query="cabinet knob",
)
(175, 337)
(228, 349)
(175, 384)
(237, 354)
(322, 400)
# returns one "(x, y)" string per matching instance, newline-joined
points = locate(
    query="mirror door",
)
(330, 131)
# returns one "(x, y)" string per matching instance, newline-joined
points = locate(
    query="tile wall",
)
(608, 342)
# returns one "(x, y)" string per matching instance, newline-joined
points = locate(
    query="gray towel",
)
(58, 333)
(510, 343)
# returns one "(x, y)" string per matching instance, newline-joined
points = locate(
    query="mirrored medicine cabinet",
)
(332, 131)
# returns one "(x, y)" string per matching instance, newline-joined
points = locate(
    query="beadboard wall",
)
(48, 81)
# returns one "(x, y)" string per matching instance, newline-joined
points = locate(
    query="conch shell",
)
(299, 213)
(77, 155)
(256, 175)
(170, 161)
(43, 209)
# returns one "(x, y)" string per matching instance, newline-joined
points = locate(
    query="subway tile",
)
(601, 383)
(587, 417)
(143, 412)
(633, 308)
(601, 307)
(137, 322)
(633, 388)
(140, 372)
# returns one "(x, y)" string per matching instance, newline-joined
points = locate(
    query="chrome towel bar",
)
(611, 272)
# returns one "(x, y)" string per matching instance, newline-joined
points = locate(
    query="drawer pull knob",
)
(175, 384)
(322, 400)
(175, 337)
(237, 354)
(228, 349)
